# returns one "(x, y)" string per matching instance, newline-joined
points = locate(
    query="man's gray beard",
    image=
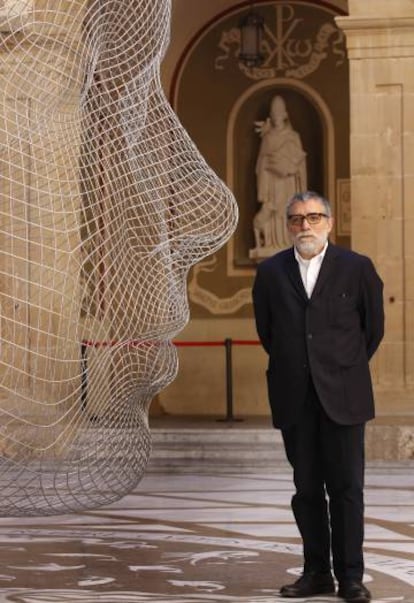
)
(307, 246)
(311, 246)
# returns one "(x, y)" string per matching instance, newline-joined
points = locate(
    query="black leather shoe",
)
(354, 592)
(308, 585)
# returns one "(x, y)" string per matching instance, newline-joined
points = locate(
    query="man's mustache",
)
(306, 236)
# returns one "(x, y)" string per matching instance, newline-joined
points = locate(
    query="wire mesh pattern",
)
(105, 204)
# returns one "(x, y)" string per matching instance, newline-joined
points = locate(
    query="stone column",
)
(380, 41)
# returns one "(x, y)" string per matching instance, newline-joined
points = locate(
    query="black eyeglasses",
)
(312, 218)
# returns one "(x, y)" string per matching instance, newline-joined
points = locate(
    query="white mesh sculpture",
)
(105, 204)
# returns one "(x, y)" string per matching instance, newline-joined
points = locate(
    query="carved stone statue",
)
(280, 172)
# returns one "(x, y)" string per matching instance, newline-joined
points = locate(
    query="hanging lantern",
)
(251, 31)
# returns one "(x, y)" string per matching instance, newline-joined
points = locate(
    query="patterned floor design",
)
(199, 534)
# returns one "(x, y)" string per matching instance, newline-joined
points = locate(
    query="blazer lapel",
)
(327, 268)
(292, 269)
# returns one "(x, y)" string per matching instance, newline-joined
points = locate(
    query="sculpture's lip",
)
(156, 358)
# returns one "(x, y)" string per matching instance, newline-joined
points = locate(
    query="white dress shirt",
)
(309, 269)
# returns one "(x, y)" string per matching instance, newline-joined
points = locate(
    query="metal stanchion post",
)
(228, 344)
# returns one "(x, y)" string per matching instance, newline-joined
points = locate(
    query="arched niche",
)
(310, 117)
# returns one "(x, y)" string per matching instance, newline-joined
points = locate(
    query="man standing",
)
(319, 315)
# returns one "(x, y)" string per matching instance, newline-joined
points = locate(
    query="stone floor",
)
(200, 532)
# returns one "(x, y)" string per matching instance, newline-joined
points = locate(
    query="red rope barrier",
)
(198, 343)
(178, 343)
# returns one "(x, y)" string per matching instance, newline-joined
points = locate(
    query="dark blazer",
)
(331, 336)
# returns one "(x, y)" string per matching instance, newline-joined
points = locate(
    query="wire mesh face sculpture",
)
(105, 205)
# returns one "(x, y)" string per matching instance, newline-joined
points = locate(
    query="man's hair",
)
(307, 196)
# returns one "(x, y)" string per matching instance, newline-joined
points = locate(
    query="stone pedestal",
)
(260, 253)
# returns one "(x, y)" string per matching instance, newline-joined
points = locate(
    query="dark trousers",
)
(328, 470)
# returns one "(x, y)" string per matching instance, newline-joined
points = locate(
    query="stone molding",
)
(378, 37)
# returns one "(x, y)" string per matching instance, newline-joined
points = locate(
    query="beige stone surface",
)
(387, 441)
(383, 8)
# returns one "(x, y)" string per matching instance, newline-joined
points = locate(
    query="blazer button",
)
(310, 335)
